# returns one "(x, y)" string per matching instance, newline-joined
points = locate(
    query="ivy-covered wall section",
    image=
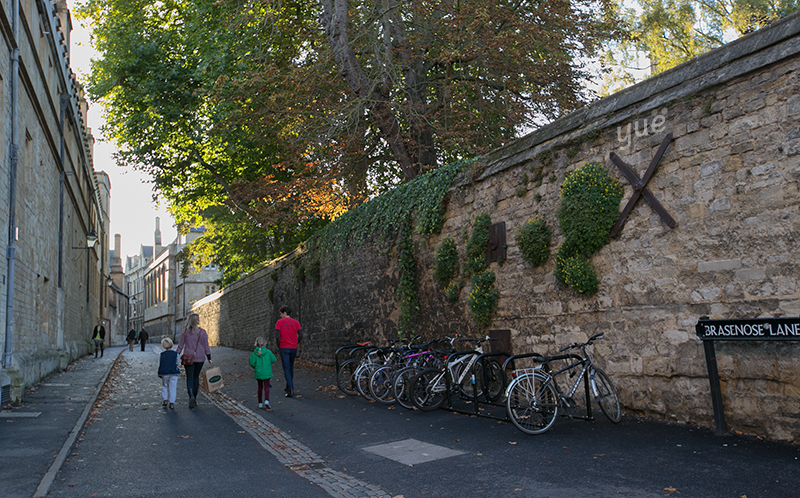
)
(411, 260)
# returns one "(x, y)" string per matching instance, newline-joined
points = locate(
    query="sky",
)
(133, 211)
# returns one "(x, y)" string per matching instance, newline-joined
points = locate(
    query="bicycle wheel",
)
(532, 403)
(362, 376)
(428, 389)
(401, 389)
(380, 385)
(606, 395)
(490, 379)
(344, 377)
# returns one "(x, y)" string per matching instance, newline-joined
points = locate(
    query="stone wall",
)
(56, 285)
(729, 179)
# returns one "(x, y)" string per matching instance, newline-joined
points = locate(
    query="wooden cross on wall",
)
(640, 188)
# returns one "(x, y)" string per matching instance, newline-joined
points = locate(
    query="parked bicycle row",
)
(435, 374)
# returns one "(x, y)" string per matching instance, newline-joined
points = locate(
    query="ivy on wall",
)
(407, 295)
(483, 296)
(533, 239)
(589, 208)
(381, 218)
(416, 206)
(446, 262)
(477, 245)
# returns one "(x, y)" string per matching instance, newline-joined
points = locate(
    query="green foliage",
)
(446, 262)
(545, 157)
(483, 298)
(274, 276)
(666, 33)
(589, 208)
(575, 271)
(299, 271)
(314, 270)
(533, 239)
(452, 291)
(381, 218)
(477, 245)
(407, 294)
(271, 294)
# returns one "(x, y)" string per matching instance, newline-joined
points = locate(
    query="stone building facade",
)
(169, 293)
(51, 199)
(729, 178)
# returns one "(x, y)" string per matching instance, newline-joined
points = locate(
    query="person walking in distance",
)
(288, 334)
(131, 338)
(143, 336)
(261, 359)
(169, 373)
(98, 337)
(194, 342)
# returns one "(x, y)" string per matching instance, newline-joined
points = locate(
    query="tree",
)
(157, 78)
(280, 115)
(409, 86)
(665, 33)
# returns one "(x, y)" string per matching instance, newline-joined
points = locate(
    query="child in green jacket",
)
(261, 360)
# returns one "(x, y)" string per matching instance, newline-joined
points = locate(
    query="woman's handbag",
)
(188, 359)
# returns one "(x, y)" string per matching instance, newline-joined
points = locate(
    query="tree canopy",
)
(665, 33)
(268, 118)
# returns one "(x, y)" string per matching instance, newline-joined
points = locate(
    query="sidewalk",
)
(37, 434)
(321, 443)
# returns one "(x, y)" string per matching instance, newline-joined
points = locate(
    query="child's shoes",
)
(267, 407)
(261, 405)
(164, 403)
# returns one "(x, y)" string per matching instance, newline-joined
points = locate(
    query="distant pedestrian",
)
(131, 338)
(288, 334)
(143, 336)
(261, 359)
(194, 342)
(98, 337)
(169, 372)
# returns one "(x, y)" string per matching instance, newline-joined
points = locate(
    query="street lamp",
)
(91, 240)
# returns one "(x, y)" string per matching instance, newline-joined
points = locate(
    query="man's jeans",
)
(287, 359)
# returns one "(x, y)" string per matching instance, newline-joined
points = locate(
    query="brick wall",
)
(729, 179)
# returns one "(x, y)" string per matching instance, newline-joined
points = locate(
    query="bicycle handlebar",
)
(599, 335)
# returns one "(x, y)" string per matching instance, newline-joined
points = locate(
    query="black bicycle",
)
(534, 397)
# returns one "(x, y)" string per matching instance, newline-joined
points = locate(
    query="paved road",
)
(321, 443)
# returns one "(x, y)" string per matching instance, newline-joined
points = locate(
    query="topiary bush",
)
(477, 245)
(589, 208)
(446, 262)
(533, 239)
(576, 272)
(483, 298)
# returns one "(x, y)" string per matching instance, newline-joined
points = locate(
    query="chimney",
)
(157, 248)
(116, 270)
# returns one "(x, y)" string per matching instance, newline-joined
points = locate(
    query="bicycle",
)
(463, 374)
(534, 398)
(382, 381)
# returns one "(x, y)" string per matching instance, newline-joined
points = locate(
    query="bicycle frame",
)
(586, 366)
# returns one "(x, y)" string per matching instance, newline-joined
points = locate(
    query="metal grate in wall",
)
(6, 396)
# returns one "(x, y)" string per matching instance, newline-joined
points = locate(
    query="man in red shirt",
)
(288, 335)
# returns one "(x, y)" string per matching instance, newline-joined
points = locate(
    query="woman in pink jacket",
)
(194, 341)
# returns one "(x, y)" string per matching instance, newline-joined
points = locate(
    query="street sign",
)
(757, 329)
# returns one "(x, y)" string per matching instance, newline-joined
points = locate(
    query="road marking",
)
(294, 455)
